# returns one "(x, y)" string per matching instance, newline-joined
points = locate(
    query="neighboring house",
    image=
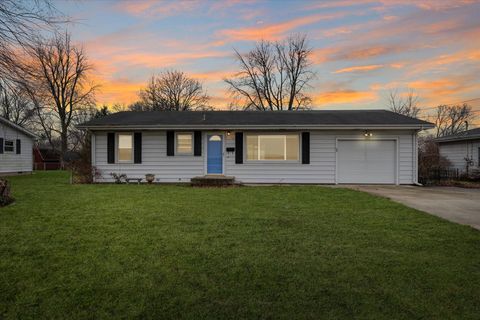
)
(320, 147)
(46, 158)
(461, 149)
(16, 145)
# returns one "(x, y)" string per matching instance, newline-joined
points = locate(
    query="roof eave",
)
(455, 139)
(236, 127)
(19, 128)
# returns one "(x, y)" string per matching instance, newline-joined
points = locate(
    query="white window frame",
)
(117, 147)
(176, 143)
(299, 151)
(5, 145)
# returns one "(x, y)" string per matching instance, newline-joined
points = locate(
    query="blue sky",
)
(362, 49)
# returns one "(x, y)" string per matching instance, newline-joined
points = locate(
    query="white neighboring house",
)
(461, 149)
(317, 147)
(16, 145)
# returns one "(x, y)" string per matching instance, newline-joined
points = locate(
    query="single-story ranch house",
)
(461, 149)
(324, 147)
(16, 145)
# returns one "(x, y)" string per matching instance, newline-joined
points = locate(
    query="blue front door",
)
(214, 154)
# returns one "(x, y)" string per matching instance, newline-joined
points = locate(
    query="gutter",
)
(256, 127)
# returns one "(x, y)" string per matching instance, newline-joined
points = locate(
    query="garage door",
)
(366, 161)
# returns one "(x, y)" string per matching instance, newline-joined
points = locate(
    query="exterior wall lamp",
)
(367, 133)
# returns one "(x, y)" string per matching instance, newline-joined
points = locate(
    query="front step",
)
(212, 181)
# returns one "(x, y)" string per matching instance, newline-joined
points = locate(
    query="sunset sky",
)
(362, 48)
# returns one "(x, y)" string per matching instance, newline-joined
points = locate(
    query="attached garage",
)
(367, 161)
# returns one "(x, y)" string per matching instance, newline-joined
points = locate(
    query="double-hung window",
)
(273, 147)
(9, 146)
(184, 143)
(125, 147)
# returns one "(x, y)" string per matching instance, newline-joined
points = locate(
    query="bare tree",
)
(452, 119)
(172, 90)
(274, 75)
(406, 104)
(15, 104)
(20, 22)
(57, 83)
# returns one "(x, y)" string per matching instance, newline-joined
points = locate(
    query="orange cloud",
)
(360, 68)
(163, 60)
(117, 91)
(343, 96)
(274, 31)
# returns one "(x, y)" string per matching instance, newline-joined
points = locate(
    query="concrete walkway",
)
(455, 204)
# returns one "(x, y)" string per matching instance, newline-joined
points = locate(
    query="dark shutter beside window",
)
(305, 147)
(137, 147)
(238, 147)
(170, 143)
(111, 147)
(1, 145)
(18, 149)
(197, 143)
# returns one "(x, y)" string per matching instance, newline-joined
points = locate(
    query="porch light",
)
(228, 133)
(367, 133)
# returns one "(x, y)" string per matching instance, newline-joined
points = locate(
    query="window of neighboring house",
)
(184, 143)
(273, 147)
(9, 146)
(125, 147)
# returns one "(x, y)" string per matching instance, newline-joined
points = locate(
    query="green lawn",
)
(303, 252)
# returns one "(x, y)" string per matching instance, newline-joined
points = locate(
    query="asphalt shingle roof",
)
(465, 135)
(253, 118)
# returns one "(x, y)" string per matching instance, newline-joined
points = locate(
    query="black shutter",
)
(170, 143)
(18, 149)
(197, 143)
(238, 147)
(137, 147)
(305, 147)
(1, 145)
(111, 147)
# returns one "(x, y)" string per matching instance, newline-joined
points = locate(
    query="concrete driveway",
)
(455, 204)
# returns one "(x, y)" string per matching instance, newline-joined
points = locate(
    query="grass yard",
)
(175, 252)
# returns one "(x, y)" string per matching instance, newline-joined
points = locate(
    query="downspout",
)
(415, 158)
(93, 153)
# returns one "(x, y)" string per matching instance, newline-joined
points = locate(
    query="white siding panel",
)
(11, 162)
(456, 152)
(154, 160)
(321, 169)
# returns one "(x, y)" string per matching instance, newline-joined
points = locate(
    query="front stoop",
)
(212, 181)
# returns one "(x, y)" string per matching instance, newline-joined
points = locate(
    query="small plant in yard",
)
(119, 178)
(5, 196)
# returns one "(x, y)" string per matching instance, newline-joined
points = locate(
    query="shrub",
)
(431, 165)
(81, 166)
(5, 195)
(119, 178)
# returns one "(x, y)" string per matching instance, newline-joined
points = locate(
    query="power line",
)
(449, 104)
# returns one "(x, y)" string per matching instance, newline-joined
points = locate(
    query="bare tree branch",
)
(274, 75)
(452, 119)
(172, 90)
(406, 104)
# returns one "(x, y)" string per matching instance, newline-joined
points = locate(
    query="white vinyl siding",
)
(154, 160)
(10, 161)
(457, 151)
(321, 169)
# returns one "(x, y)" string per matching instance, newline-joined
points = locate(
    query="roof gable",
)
(17, 127)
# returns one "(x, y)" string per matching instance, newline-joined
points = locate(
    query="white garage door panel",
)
(366, 161)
